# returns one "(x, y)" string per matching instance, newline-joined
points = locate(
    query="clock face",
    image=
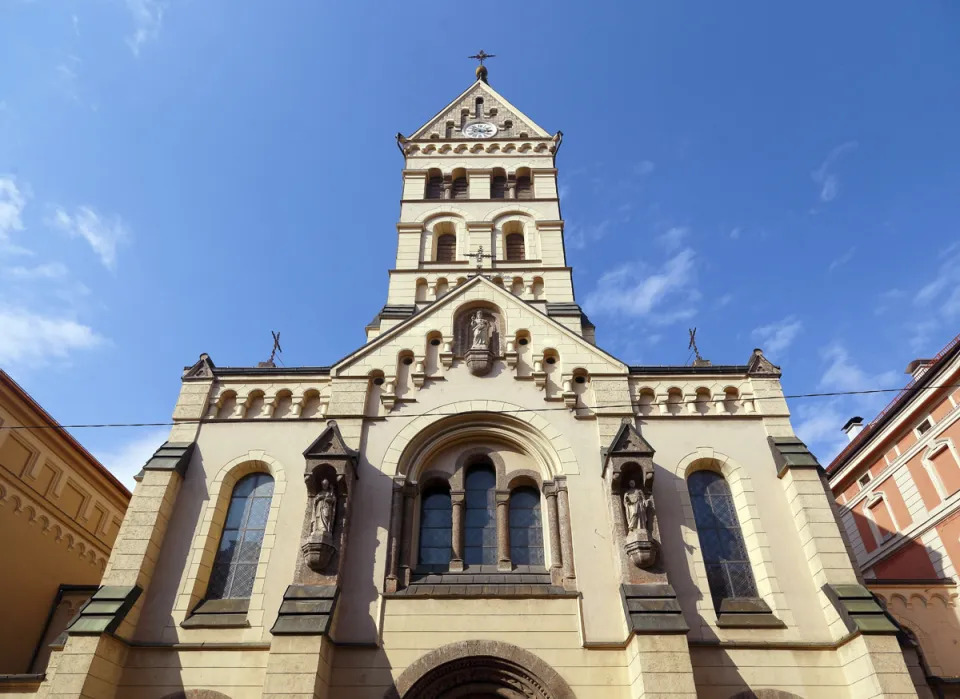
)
(480, 129)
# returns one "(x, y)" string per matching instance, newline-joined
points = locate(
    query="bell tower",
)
(480, 197)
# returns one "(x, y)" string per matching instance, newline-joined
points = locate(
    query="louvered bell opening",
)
(524, 188)
(435, 188)
(446, 247)
(515, 247)
(460, 188)
(498, 187)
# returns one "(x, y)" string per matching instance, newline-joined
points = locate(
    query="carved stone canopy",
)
(628, 447)
(201, 369)
(329, 456)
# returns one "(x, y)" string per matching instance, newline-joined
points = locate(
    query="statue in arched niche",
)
(474, 325)
(478, 329)
(324, 508)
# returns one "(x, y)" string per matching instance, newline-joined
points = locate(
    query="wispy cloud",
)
(33, 339)
(844, 374)
(579, 236)
(125, 459)
(777, 337)
(736, 233)
(68, 75)
(819, 426)
(12, 203)
(723, 301)
(103, 234)
(644, 167)
(843, 259)
(635, 290)
(147, 20)
(944, 288)
(49, 271)
(886, 299)
(673, 239)
(825, 177)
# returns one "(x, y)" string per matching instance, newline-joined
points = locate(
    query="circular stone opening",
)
(581, 379)
(378, 381)
(408, 361)
(435, 342)
(551, 360)
(523, 341)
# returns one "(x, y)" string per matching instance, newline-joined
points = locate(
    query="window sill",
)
(747, 613)
(526, 581)
(219, 614)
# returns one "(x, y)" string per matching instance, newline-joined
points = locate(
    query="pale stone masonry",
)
(479, 500)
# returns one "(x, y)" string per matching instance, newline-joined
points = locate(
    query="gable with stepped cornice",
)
(435, 128)
(575, 353)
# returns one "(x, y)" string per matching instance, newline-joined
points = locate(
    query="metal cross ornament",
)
(479, 254)
(693, 344)
(481, 56)
(276, 345)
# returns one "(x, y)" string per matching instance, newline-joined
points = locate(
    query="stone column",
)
(393, 539)
(406, 560)
(553, 526)
(566, 536)
(457, 498)
(447, 187)
(503, 532)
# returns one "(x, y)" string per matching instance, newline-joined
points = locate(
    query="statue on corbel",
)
(329, 474)
(629, 472)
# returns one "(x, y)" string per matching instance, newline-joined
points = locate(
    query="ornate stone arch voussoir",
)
(458, 666)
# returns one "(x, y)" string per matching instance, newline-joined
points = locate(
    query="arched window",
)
(446, 247)
(724, 553)
(235, 567)
(524, 185)
(498, 184)
(526, 532)
(515, 247)
(480, 527)
(434, 185)
(461, 189)
(478, 108)
(436, 526)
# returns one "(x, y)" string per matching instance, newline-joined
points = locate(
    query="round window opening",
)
(378, 381)
(408, 361)
(581, 379)
(435, 342)
(523, 341)
(551, 360)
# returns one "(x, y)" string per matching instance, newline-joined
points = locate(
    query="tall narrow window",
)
(436, 525)
(480, 528)
(515, 247)
(524, 187)
(446, 247)
(526, 532)
(460, 187)
(724, 553)
(478, 108)
(235, 566)
(434, 188)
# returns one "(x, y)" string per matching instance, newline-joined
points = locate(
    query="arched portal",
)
(475, 669)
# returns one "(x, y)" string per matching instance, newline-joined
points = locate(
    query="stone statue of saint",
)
(324, 507)
(478, 328)
(635, 502)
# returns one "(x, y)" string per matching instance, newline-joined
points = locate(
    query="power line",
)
(795, 396)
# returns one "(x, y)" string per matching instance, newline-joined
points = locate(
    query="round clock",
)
(480, 129)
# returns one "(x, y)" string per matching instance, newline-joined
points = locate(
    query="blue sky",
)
(185, 176)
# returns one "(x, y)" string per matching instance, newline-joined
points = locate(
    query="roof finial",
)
(482, 69)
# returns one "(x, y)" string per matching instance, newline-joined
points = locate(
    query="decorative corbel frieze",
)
(388, 392)
(511, 356)
(446, 352)
(240, 409)
(569, 396)
(539, 375)
(419, 373)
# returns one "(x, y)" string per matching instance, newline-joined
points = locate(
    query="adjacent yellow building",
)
(60, 511)
(479, 501)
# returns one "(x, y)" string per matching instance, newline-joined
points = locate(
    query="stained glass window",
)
(724, 553)
(436, 525)
(235, 566)
(480, 527)
(526, 532)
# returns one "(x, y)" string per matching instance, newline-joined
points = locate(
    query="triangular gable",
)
(629, 442)
(330, 445)
(761, 366)
(491, 99)
(202, 369)
(450, 298)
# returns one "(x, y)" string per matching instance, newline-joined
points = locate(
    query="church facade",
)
(480, 500)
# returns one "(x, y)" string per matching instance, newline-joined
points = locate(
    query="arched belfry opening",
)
(475, 669)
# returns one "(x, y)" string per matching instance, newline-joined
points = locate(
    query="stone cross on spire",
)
(481, 56)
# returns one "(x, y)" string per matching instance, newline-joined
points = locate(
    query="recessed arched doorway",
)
(480, 670)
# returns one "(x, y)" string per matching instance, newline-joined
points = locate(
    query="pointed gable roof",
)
(330, 445)
(450, 298)
(202, 369)
(629, 442)
(491, 100)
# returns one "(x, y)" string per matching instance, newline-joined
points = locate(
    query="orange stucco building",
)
(897, 485)
(60, 511)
